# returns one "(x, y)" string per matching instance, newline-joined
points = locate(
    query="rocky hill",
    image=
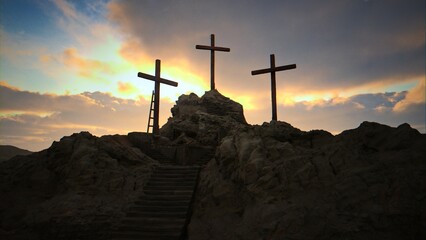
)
(75, 189)
(272, 181)
(7, 152)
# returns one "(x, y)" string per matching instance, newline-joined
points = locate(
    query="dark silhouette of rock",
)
(277, 182)
(204, 120)
(7, 152)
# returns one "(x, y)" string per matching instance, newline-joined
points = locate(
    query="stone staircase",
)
(163, 211)
(157, 155)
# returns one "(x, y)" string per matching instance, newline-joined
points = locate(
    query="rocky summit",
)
(270, 181)
(203, 121)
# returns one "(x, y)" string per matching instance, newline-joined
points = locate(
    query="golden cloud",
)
(87, 68)
(414, 96)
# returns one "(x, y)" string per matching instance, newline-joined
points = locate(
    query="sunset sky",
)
(68, 66)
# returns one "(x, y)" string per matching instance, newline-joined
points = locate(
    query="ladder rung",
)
(151, 109)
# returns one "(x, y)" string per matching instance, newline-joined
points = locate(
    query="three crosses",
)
(157, 79)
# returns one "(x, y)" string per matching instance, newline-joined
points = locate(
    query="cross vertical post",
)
(212, 49)
(273, 71)
(212, 59)
(156, 128)
(273, 89)
(158, 80)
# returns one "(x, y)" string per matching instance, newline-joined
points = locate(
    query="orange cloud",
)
(414, 96)
(126, 87)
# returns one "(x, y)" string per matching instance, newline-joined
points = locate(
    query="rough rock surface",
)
(75, 189)
(277, 182)
(204, 120)
(7, 152)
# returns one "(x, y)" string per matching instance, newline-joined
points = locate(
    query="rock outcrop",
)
(203, 121)
(75, 189)
(277, 182)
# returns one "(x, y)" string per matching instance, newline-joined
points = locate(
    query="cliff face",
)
(80, 185)
(277, 182)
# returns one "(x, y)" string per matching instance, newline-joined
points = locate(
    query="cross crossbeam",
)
(273, 70)
(212, 49)
(161, 80)
(157, 79)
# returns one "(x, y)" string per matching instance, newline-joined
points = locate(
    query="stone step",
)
(168, 192)
(174, 174)
(153, 221)
(173, 178)
(180, 214)
(148, 209)
(177, 167)
(146, 235)
(169, 187)
(161, 179)
(176, 170)
(168, 202)
(168, 197)
(170, 183)
(151, 228)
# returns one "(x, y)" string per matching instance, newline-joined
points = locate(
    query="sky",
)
(71, 65)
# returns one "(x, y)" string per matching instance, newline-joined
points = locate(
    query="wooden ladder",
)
(151, 110)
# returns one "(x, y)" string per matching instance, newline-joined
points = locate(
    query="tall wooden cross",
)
(157, 79)
(212, 49)
(272, 70)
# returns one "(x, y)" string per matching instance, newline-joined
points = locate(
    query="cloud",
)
(414, 96)
(378, 100)
(67, 9)
(47, 117)
(126, 87)
(87, 68)
(340, 45)
(340, 113)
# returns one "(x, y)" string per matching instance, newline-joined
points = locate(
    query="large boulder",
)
(204, 120)
(277, 182)
(78, 187)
